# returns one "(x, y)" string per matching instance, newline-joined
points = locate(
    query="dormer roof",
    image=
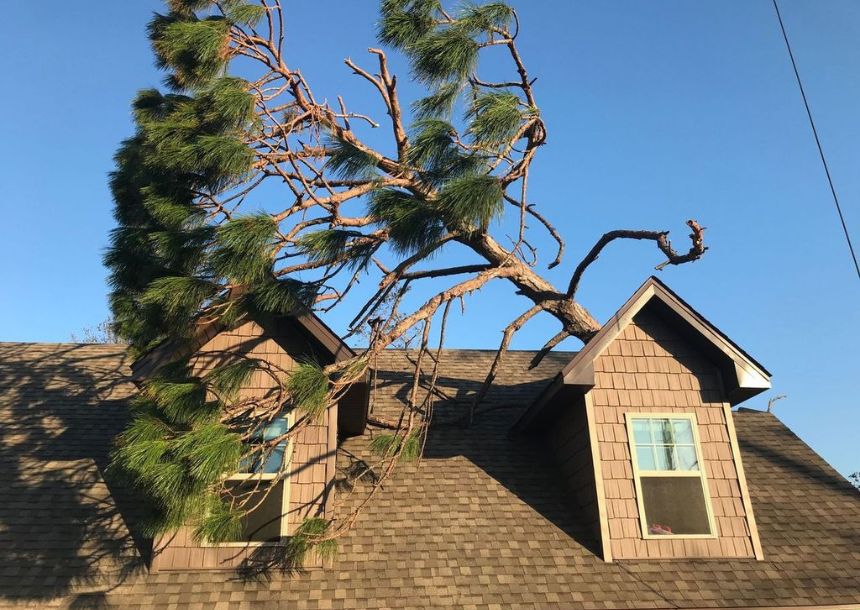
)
(303, 321)
(742, 375)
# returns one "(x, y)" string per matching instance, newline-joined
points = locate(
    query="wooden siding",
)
(648, 368)
(311, 468)
(311, 471)
(570, 443)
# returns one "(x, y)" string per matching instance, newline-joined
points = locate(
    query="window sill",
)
(248, 544)
(679, 536)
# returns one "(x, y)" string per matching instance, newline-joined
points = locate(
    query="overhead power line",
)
(817, 140)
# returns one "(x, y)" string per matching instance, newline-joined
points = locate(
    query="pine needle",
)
(404, 22)
(348, 161)
(448, 55)
(412, 225)
(440, 103)
(308, 386)
(495, 118)
(473, 200)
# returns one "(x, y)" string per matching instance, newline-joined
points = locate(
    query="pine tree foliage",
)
(329, 246)
(348, 161)
(240, 195)
(495, 118)
(406, 447)
(308, 387)
(440, 103)
(311, 535)
(412, 223)
(471, 200)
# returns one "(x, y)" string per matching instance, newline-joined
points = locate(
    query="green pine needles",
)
(495, 117)
(176, 451)
(310, 535)
(412, 223)
(406, 447)
(472, 200)
(308, 386)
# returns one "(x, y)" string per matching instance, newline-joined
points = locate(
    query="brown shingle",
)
(481, 521)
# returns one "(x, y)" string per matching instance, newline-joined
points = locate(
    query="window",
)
(267, 522)
(670, 482)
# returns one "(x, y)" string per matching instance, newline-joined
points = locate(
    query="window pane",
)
(687, 459)
(275, 459)
(276, 428)
(271, 462)
(665, 457)
(662, 431)
(683, 431)
(642, 431)
(246, 465)
(645, 456)
(674, 505)
(264, 522)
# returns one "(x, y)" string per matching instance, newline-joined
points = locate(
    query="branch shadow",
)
(66, 527)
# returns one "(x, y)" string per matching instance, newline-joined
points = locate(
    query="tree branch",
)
(697, 249)
(507, 335)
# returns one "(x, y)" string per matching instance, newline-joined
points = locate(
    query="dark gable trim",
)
(744, 377)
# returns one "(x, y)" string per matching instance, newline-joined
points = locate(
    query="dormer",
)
(640, 423)
(307, 488)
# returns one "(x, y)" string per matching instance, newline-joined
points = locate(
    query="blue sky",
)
(657, 112)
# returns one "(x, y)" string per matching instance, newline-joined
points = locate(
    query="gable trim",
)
(580, 370)
(750, 377)
(742, 483)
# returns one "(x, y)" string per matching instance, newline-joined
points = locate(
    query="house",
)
(620, 476)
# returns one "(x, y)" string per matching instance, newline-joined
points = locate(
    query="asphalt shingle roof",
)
(481, 522)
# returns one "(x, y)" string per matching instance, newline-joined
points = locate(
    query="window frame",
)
(285, 495)
(700, 474)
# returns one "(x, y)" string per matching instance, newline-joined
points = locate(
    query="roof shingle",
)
(481, 522)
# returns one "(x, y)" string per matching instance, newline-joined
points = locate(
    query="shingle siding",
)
(311, 469)
(570, 443)
(649, 368)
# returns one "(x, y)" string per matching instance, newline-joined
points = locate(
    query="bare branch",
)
(507, 335)
(697, 249)
(548, 347)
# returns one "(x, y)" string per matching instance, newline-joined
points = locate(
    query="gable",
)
(649, 369)
(311, 469)
(319, 341)
(742, 376)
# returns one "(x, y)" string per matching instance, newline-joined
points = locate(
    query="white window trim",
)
(700, 474)
(285, 496)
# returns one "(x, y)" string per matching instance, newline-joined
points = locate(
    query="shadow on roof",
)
(62, 521)
(523, 466)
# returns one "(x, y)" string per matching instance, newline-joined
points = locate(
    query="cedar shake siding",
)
(313, 462)
(649, 368)
(571, 445)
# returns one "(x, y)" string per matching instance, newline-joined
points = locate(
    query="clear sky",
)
(657, 112)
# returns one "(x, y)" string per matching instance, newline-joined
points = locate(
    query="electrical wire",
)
(817, 140)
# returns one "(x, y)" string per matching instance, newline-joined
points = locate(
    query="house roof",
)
(481, 522)
(743, 375)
